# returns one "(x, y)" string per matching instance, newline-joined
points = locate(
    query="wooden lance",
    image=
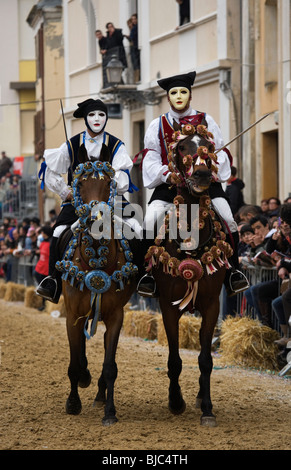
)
(243, 132)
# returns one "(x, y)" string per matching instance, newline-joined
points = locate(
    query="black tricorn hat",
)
(185, 80)
(89, 105)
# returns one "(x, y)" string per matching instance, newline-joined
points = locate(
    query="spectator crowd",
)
(9, 186)
(27, 242)
(264, 247)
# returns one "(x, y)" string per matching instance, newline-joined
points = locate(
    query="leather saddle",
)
(63, 241)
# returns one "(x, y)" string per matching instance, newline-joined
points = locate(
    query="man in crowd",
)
(5, 164)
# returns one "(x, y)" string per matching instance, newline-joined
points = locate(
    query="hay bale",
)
(127, 307)
(246, 342)
(14, 292)
(60, 306)
(3, 288)
(140, 323)
(161, 336)
(31, 299)
(189, 327)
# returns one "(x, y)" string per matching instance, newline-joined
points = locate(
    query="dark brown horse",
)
(190, 276)
(98, 280)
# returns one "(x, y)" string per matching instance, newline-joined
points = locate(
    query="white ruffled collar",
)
(174, 115)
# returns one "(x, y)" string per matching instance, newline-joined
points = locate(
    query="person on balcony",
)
(114, 46)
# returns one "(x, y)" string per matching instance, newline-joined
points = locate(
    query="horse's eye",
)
(182, 148)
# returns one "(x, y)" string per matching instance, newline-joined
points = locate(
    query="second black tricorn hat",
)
(184, 80)
(89, 105)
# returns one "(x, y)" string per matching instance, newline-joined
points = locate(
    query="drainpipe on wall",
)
(240, 145)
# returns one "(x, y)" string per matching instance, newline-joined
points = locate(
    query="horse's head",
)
(192, 160)
(93, 186)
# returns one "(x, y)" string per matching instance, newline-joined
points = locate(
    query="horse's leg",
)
(101, 393)
(85, 376)
(109, 371)
(75, 370)
(209, 319)
(171, 323)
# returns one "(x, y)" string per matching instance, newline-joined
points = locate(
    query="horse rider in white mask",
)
(64, 160)
(156, 174)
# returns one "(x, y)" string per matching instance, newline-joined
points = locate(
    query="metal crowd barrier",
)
(21, 201)
(20, 269)
(256, 275)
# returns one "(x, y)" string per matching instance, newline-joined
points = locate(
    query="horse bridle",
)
(97, 170)
(100, 275)
(185, 179)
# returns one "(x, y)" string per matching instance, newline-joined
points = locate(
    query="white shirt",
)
(58, 162)
(152, 168)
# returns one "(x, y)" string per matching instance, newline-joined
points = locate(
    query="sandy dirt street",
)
(252, 408)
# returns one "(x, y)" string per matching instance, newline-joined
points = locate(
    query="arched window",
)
(91, 21)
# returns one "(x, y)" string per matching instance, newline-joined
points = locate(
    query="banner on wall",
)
(18, 163)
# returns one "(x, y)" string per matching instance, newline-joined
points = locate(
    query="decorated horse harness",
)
(95, 274)
(191, 264)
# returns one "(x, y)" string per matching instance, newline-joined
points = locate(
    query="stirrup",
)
(148, 288)
(237, 286)
(51, 293)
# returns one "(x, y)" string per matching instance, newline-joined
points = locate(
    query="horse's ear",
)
(82, 154)
(176, 126)
(105, 154)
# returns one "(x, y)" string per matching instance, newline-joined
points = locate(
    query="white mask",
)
(179, 98)
(96, 121)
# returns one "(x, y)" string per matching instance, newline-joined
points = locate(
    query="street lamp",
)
(126, 94)
(114, 70)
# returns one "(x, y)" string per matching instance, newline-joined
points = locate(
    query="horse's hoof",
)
(85, 379)
(209, 421)
(73, 406)
(178, 410)
(109, 421)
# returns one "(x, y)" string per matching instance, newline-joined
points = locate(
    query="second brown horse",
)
(187, 277)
